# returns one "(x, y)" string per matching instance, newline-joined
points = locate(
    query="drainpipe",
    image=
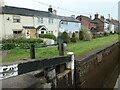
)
(59, 26)
(4, 25)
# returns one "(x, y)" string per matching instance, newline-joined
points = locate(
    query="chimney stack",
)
(90, 17)
(50, 9)
(73, 16)
(96, 16)
(54, 12)
(102, 17)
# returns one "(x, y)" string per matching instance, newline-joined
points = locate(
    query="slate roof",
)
(89, 19)
(31, 12)
(70, 19)
(115, 23)
(112, 22)
(104, 21)
(41, 27)
(25, 11)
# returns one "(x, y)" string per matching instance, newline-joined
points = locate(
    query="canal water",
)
(113, 81)
(117, 85)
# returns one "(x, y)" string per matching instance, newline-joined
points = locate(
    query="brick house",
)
(87, 22)
(102, 25)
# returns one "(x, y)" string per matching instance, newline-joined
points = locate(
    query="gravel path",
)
(3, 53)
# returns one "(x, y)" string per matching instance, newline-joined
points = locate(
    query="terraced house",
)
(28, 23)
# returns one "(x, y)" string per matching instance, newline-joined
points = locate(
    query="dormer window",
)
(16, 19)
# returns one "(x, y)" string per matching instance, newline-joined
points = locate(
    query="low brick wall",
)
(93, 68)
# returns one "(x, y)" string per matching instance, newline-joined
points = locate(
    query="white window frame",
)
(40, 20)
(16, 19)
(51, 20)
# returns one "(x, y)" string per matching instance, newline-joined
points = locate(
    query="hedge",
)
(8, 44)
(49, 36)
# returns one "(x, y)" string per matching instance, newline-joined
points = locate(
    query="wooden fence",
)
(7, 71)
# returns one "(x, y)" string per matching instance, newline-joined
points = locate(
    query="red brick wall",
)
(100, 25)
(86, 23)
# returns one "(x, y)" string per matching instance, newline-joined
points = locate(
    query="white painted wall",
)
(106, 25)
(70, 27)
(112, 28)
(51, 27)
(9, 25)
(1, 26)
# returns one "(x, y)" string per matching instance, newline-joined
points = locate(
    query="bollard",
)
(70, 65)
(32, 52)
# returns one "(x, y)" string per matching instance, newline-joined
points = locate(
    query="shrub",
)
(87, 35)
(8, 46)
(65, 37)
(105, 33)
(73, 39)
(49, 36)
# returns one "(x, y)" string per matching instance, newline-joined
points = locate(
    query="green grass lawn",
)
(81, 47)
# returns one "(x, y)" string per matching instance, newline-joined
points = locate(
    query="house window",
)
(64, 22)
(40, 20)
(77, 24)
(17, 33)
(52, 32)
(16, 19)
(50, 21)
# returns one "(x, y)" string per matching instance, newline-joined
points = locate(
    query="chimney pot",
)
(73, 16)
(54, 12)
(90, 17)
(102, 17)
(50, 9)
(96, 16)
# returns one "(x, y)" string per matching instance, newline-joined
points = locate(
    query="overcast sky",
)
(72, 7)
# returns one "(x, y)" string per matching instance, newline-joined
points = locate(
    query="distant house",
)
(111, 26)
(87, 22)
(69, 24)
(117, 25)
(102, 25)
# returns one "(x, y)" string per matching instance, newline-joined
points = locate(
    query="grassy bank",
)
(80, 47)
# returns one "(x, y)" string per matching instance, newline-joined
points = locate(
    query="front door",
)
(31, 33)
